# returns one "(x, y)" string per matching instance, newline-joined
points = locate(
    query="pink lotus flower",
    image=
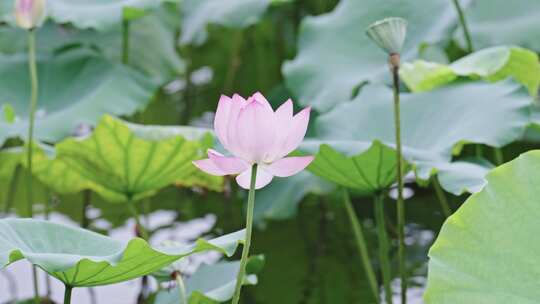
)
(255, 134)
(29, 13)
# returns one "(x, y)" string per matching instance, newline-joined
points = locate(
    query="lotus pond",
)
(269, 151)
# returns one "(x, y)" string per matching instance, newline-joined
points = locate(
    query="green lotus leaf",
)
(485, 252)
(281, 198)
(197, 14)
(81, 258)
(13, 183)
(162, 63)
(484, 22)
(340, 35)
(105, 13)
(492, 64)
(464, 176)
(100, 14)
(369, 171)
(75, 88)
(48, 174)
(434, 125)
(124, 162)
(209, 284)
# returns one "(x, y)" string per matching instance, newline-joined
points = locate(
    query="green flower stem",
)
(383, 246)
(67, 294)
(125, 42)
(441, 197)
(140, 228)
(399, 168)
(33, 105)
(247, 244)
(181, 287)
(463, 23)
(29, 149)
(361, 244)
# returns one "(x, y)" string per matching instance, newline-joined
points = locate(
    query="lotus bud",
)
(29, 14)
(389, 34)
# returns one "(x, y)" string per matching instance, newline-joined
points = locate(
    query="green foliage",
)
(519, 28)
(281, 198)
(465, 176)
(210, 284)
(435, 124)
(492, 64)
(368, 172)
(104, 13)
(101, 87)
(124, 162)
(197, 14)
(80, 258)
(161, 62)
(485, 252)
(10, 159)
(354, 58)
(193, 51)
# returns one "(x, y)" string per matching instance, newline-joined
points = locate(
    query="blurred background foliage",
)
(180, 56)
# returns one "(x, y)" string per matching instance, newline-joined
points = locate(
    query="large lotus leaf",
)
(434, 124)
(210, 284)
(486, 252)
(369, 171)
(281, 198)
(81, 258)
(96, 14)
(6, 10)
(75, 88)
(465, 176)
(484, 21)
(492, 64)
(49, 174)
(161, 62)
(318, 81)
(62, 178)
(13, 183)
(122, 164)
(57, 174)
(197, 14)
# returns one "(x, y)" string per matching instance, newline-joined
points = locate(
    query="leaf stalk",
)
(361, 244)
(383, 246)
(464, 26)
(67, 294)
(32, 67)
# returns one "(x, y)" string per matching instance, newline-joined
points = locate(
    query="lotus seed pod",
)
(29, 14)
(389, 34)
